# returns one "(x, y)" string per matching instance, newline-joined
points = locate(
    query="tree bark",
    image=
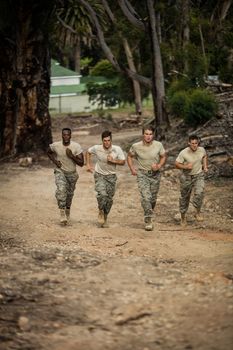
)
(136, 85)
(24, 87)
(77, 55)
(186, 30)
(158, 88)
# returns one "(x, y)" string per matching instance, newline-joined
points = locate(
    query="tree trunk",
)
(24, 87)
(136, 84)
(158, 88)
(186, 30)
(77, 54)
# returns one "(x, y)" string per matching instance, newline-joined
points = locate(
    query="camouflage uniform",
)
(187, 183)
(105, 186)
(105, 175)
(147, 179)
(148, 184)
(192, 179)
(65, 182)
(66, 176)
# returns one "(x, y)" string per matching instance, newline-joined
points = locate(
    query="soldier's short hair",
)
(106, 133)
(149, 127)
(66, 129)
(194, 137)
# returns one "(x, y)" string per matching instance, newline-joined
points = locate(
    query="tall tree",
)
(24, 76)
(157, 80)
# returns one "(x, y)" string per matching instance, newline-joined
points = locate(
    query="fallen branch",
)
(121, 244)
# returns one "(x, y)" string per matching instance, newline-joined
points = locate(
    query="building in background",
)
(68, 90)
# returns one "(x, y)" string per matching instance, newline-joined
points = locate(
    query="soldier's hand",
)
(69, 153)
(110, 159)
(90, 169)
(155, 166)
(133, 172)
(58, 163)
(189, 166)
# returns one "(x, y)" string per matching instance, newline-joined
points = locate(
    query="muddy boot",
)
(198, 216)
(68, 214)
(63, 218)
(183, 220)
(101, 219)
(148, 224)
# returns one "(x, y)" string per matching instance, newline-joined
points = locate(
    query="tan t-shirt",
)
(188, 156)
(146, 155)
(102, 166)
(68, 164)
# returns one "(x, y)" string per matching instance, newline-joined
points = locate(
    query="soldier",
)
(192, 161)
(65, 154)
(151, 156)
(108, 156)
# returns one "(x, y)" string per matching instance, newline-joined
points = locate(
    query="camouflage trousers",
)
(105, 186)
(148, 185)
(189, 184)
(65, 183)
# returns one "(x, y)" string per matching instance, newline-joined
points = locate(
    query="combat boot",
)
(183, 220)
(101, 219)
(198, 216)
(63, 218)
(148, 224)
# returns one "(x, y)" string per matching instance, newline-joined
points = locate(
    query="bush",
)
(178, 103)
(183, 85)
(200, 108)
(195, 106)
(103, 68)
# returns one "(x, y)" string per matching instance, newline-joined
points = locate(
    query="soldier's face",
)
(107, 142)
(148, 136)
(66, 136)
(193, 144)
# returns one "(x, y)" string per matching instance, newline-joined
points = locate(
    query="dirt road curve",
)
(81, 287)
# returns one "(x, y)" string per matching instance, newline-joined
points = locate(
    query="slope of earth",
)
(83, 287)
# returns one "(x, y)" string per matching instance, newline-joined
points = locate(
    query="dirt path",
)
(81, 287)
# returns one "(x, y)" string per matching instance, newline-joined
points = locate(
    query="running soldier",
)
(65, 154)
(193, 162)
(108, 157)
(151, 156)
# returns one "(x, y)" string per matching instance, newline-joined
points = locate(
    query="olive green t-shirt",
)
(146, 155)
(194, 157)
(59, 149)
(102, 166)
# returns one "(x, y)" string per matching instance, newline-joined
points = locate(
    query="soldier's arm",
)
(130, 163)
(52, 157)
(78, 159)
(88, 162)
(187, 166)
(205, 163)
(162, 161)
(115, 161)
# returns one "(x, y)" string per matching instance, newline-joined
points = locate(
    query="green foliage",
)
(105, 94)
(103, 68)
(182, 84)
(196, 64)
(201, 107)
(195, 106)
(225, 72)
(178, 103)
